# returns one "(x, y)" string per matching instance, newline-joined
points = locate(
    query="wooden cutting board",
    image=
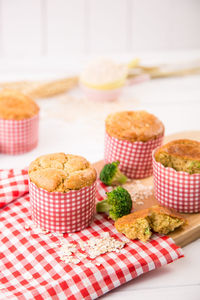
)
(189, 232)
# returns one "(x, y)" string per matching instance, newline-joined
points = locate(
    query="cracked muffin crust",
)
(16, 106)
(181, 155)
(60, 172)
(135, 225)
(134, 126)
(138, 225)
(164, 220)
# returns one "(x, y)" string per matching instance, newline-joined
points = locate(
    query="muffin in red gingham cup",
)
(176, 170)
(62, 192)
(19, 121)
(130, 138)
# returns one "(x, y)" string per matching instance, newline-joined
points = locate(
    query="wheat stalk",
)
(37, 89)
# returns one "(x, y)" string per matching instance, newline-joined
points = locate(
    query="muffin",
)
(134, 126)
(60, 172)
(62, 192)
(135, 225)
(19, 117)
(181, 155)
(176, 169)
(131, 136)
(138, 225)
(164, 220)
(16, 106)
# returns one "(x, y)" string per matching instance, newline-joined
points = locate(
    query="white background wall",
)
(31, 28)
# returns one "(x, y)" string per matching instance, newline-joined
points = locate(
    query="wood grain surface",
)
(189, 232)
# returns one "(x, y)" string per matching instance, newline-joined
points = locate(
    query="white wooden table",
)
(75, 126)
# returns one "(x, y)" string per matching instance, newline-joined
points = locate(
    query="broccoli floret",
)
(111, 175)
(117, 204)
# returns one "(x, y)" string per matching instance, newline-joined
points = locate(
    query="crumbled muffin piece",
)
(164, 220)
(181, 155)
(60, 172)
(16, 106)
(134, 126)
(135, 225)
(138, 225)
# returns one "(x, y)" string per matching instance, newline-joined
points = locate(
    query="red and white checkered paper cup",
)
(62, 212)
(178, 190)
(135, 158)
(18, 136)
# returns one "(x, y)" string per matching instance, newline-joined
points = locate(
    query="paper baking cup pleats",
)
(62, 212)
(178, 190)
(18, 136)
(135, 158)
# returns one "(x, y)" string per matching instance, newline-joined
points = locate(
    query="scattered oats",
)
(49, 234)
(58, 234)
(80, 255)
(92, 256)
(105, 235)
(140, 202)
(94, 247)
(68, 251)
(38, 230)
(29, 276)
(75, 260)
(104, 244)
(70, 259)
(138, 191)
(68, 248)
(89, 265)
(82, 245)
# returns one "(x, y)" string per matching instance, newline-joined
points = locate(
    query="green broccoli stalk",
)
(117, 204)
(111, 175)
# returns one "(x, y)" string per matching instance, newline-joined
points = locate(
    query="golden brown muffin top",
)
(16, 106)
(134, 126)
(60, 172)
(141, 214)
(131, 218)
(158, 209)
(185, 149)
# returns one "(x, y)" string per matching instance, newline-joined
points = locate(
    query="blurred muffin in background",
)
(19, 118)
(16, 106)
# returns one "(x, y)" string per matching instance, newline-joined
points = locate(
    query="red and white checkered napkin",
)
(31, 268)
(178, 190)
(18, 136)
(63, 212)
(135, 158)
(13, 184)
